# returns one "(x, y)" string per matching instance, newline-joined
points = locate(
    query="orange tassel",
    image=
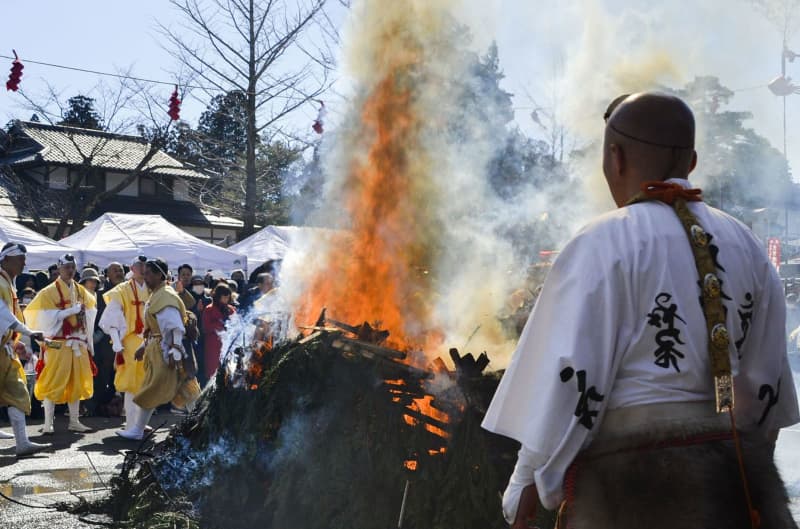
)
(668, 192)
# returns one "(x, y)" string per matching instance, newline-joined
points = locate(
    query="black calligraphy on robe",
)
(586, 415)
(665, 317)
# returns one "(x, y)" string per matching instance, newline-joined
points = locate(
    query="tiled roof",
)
(62, 145)
(177, 212)
(15, 206)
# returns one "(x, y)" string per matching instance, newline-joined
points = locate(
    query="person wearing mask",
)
(27, 296)
(24, 281)
(215, 316)
(167, 378)
(123, 322)
(65, 311)
(13, 382)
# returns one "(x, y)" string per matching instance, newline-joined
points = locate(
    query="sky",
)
(555, 53)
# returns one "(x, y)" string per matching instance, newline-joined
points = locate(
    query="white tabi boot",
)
(135, 430)
(24, 445)
(128, 405)
(49, 413)
(74, 413)
(132, 411)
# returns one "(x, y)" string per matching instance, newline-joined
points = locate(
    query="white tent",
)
(264, 245)
(42, 251)
(121, 237)
(274, 242)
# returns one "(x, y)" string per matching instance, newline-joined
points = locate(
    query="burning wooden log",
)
(467, 365)
(367, 350)
(331, 417)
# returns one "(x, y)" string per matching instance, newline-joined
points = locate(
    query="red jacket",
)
(213, 324)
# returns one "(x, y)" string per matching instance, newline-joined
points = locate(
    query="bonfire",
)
(331, 429)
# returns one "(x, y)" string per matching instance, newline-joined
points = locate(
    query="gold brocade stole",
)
(677, 196)
(9, 297)
(160, 299)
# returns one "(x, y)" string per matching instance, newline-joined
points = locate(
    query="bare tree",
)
(277, 52)
(73, 205)
(784, 14)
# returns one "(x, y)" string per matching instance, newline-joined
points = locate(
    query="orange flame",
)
(382, 275)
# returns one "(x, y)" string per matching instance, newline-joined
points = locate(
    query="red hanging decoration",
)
(174, 105)
(16, 74)
(318, 124)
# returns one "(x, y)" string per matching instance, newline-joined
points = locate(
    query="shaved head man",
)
(620, 391)
(648, 136)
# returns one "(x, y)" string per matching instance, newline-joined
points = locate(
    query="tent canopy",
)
(121, 237)
(274, 242)
(42, 251)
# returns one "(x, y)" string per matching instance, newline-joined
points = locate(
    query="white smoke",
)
(605, 48)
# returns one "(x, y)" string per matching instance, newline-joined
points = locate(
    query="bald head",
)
(649, 136)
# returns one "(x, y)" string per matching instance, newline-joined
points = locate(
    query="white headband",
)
(11, 251)
(154, 263)
(63, 260)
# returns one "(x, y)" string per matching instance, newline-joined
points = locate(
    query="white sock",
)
(74, 411)
(143, 417)
(49, 412)
(130, 409)
(17, 418)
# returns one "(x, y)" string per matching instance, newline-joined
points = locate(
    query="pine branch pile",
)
(321, 441)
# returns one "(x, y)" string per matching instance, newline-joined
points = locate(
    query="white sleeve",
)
(48, 321)
(113, 318)
(7, 318)
(554, 392)
(764, 390)
(171, 324)
(524, 474)
(91, 316)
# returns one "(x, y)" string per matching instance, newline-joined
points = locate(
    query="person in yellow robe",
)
(13, 387)
(167, 378)
(65, 312)
(123, 321)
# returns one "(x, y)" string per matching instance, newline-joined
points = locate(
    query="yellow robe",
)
(13, 382)
(162, 383)
(67, 374)
(130, 375)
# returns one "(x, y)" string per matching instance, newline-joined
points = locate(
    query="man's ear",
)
(617, 159)
(693, 163)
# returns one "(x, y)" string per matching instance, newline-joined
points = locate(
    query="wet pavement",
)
(77, 465)
(81, 465)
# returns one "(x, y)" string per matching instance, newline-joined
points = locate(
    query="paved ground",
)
(66, 470)
(77, 464)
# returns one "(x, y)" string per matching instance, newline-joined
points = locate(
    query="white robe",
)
(50, 321)
(7, 321)
(171, 326)
(113, 317)
(619, 324)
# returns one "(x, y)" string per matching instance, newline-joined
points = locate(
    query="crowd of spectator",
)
(210, 298)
